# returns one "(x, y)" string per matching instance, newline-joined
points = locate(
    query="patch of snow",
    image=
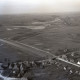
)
(8, 78)
(9, 29)
(16, 28)
(31, 27)
(78, 63)
(64, 68)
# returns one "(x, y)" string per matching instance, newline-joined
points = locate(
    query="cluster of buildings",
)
(18, 69)
(73, 57)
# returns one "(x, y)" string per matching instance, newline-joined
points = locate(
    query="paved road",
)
(36, 51)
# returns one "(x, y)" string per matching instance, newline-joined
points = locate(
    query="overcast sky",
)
(38, 6)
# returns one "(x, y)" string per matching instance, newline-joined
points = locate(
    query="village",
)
(19, 68)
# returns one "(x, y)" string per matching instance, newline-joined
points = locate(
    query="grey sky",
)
(38, 6)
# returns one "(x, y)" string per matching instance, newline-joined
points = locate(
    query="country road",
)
(24, 47)
(36, 51)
